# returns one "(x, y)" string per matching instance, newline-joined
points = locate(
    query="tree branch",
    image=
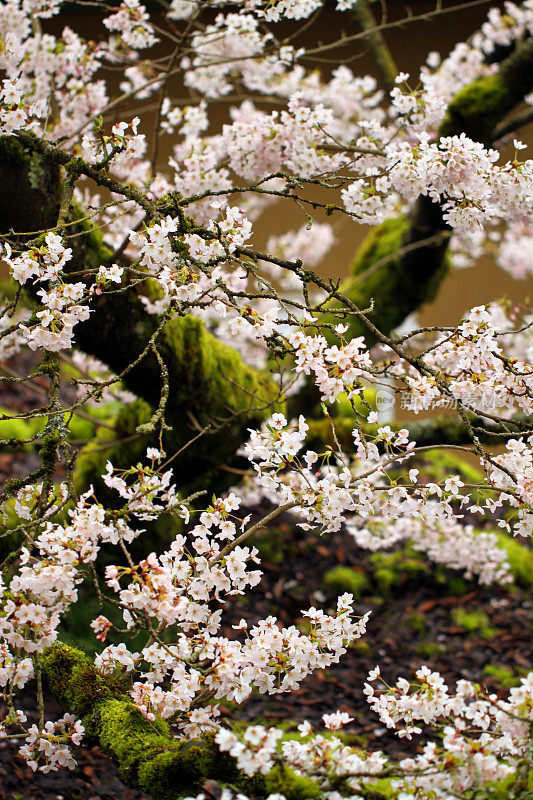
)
(379, 50)
(148, 756)
(425, 432)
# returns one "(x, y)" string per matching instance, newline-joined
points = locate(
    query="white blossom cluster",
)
(174, 590)
(62, 309)
(483, 737)
(483, 740)
(294, 135)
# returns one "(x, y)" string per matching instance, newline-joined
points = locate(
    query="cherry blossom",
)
(182, 236)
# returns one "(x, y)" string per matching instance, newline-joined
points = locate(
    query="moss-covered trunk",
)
(209, 386)
(401, 263)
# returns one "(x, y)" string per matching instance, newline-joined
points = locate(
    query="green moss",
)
(148, 758)
(382, 241)
(167, 769)
(474, 622)
(74, 681)
(386, 579)
(292, 786)
(209, 386)
(394, 287)
(345, 579)
(503, 676)
(145, 752)
(520, 559)
(213, 379)
(381, 789)
(417, 623)
(9, 290)
(480, 106)
(186, 766)
(429, 649)
(477, 108)
(414, 566)
(397, 569)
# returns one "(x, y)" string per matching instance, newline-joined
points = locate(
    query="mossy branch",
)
(398, 267)
(148, 757)
(379, 50)
(209, 388)
(478, 108)
(401, 263)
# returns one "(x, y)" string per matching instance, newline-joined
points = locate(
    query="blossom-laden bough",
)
(138, 277)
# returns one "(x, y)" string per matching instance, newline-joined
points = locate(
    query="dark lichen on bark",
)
(30, 189)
